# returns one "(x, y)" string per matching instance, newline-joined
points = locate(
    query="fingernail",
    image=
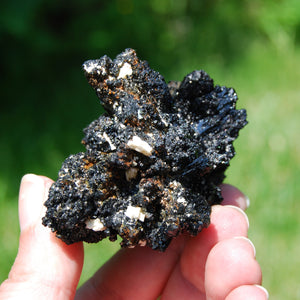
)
(263, 289)
(32, 191)
(249, 241)
(242, 212)
(247, 201)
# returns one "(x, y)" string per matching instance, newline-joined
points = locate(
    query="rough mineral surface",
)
(153, 161)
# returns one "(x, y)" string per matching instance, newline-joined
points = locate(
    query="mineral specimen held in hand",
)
(153, 161)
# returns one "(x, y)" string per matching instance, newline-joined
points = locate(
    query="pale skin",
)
(217, 264)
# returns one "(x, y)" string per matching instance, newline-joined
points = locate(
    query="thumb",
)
(45, 267)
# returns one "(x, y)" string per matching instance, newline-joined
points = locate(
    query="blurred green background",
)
(251, 45)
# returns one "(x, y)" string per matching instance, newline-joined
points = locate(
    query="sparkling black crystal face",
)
(153, 161)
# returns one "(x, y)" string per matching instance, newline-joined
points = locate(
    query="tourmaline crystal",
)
(153, 161)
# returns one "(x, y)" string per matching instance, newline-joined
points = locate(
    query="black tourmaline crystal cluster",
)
(153, 161)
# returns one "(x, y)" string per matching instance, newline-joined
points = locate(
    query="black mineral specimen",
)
(153, 161)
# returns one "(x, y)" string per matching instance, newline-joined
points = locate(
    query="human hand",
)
(217, 264)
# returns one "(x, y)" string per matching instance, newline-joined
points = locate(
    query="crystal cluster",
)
(153, 161)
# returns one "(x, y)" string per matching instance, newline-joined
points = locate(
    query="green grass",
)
(9, 232)
(266, 168)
